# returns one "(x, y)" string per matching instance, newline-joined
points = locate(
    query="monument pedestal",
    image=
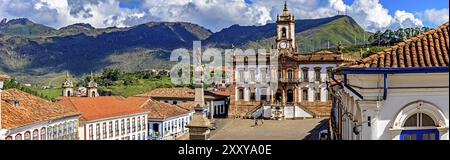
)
(199, 128)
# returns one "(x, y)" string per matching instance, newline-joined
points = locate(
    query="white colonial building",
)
(27, 117)
(109, 118)
(401, 93)
(216, 101)
(165, 121)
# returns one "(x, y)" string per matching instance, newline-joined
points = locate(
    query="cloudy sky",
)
(218, 14)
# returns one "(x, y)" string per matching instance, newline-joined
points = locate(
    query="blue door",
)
(425, 134)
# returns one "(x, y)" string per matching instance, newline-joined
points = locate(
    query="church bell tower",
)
(285, 39)
(92, 87)
(67, 87)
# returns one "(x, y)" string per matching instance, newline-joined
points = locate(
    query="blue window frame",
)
(426, 134)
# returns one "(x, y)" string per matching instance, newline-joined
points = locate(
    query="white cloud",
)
(403, 19)
(213, 14)
(435, 16)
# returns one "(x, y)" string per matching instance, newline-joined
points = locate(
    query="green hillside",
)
(342, 29)
(36, 54)
(24, 27)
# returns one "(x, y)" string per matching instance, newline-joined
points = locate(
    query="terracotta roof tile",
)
(323, 56)
(159, 110)
(188, 105)
(429, 49)
(220, 92)
(31, 109)
(180, 93)
(93, 108)
(3, 77)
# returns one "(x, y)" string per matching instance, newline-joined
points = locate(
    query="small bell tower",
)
(92, 87)
(67, 87)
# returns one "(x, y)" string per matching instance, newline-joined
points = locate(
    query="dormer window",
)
(14, 103)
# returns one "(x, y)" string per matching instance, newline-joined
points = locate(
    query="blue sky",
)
(218, 14)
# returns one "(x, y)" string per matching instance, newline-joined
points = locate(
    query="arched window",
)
(50, 133)
(245, 60)
(278, 96)
(18, 137)
(60, 131)
(27, 135)
(8, 138)
(283, 32)
(419, 120)
(36, 134)
(43, 134)
(241, 94)
(290, 96)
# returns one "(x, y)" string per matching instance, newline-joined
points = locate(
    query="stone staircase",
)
(320, 109)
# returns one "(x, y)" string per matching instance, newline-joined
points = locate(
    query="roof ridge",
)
(434, 33)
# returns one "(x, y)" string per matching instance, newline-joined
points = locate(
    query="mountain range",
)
(35, 53)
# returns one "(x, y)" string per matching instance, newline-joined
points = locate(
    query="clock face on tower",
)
(283, 44)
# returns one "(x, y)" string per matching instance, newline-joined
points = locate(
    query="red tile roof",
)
(93, 108)
(323, 56)
(188, 105)
(159, 110)
(180, 93)
(31, 109)
(3, 77)
(221, 92)
(429, 49)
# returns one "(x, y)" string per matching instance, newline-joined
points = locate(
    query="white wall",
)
(311, 84)
(138, 134)
(70, 134)
(404, 90)
(170, 127)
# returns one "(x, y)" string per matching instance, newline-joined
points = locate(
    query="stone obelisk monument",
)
(199, 127)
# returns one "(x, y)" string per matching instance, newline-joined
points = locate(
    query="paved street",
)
(244, 129)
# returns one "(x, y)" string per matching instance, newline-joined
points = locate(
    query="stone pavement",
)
(244, 129)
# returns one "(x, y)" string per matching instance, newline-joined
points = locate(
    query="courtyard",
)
(245, 129)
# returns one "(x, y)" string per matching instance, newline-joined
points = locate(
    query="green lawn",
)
(143, 86)
(51, 93)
